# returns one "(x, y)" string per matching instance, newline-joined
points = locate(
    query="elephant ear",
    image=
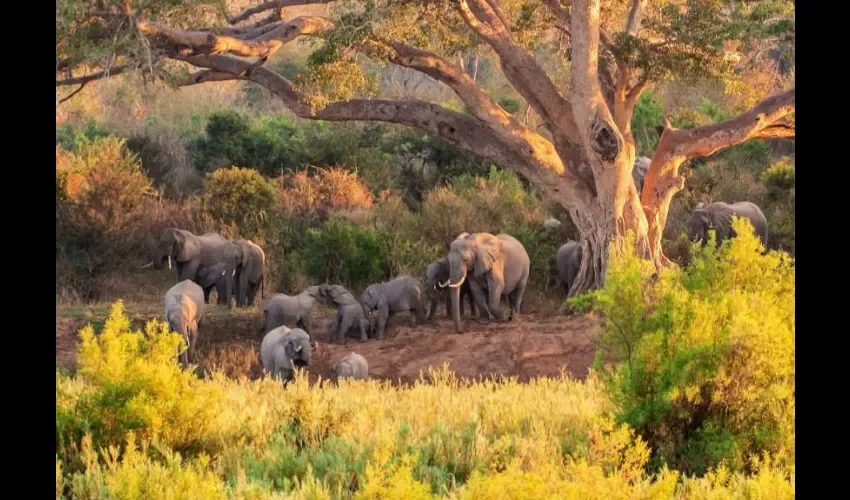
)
(190, 247)
(487, 253)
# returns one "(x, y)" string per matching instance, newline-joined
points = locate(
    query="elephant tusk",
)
(442, 285)
(169, 262)
(234, 273)
(298, 349)
(458, 283)
(149, 264)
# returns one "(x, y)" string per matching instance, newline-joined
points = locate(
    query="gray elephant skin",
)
(250, 272)
(292, 311)
(349, 313)
(184, 311)
(401, 294)
(639, 170)
(496, 266)
(437, 290)
(568, 262)
(190, 254)
(718, 216)
(283, 350)
(353, 366)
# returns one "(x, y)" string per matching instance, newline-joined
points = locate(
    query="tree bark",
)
(764, 121)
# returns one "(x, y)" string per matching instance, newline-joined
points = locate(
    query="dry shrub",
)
(327, 190)
(107, 216)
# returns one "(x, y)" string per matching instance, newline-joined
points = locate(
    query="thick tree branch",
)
(539, 150)
(767, 120)
(635, 17)
(524, 72)
(762, 121)
(81, 80)
(201, 42)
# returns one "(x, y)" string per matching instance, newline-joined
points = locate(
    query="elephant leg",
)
(345, 323)
(192, 349)
(460, 302)
(468, 295)
(252, 293)
(207, 291)
(494, 289)
(364, 326)
(519, 293)
(432, 310)
(188, 270)
(448, 306)
(480, 300)
(419, 310)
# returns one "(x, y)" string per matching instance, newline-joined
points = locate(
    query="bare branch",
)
(521, 69)
(635, 17)
(267, 6)
(82, 80)
(72, 94)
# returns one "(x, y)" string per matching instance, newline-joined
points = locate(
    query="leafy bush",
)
(647, 116)
(779, 177)
(132, 424)
(340, 252)
(708, 376)
(326, 191)
(70, 138)
(510, 104)
(240, 197)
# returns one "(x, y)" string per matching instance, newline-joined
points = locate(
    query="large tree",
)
(582, 154)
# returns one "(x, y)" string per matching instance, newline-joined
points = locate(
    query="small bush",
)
(326, 191)
(510, 104)
(708, 352)
(240, 197)
(647, 116)
(779, 177)
(340, 252)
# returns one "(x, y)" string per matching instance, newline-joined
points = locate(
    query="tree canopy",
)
(580, 67)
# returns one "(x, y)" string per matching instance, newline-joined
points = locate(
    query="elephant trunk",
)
(229, 286)
(455, 291)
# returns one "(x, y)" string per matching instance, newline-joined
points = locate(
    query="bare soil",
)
(524, 348)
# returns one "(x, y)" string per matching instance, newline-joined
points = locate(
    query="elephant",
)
(353, 366)
(349, 312)
(568, 261)
(250, 273)
(718, 216)
(184, 312)
(499, 264)
(436, 274)
(283, 350)
(639, 170)
(190, 253)
(400, 294)
(291, 311)
(552, 224)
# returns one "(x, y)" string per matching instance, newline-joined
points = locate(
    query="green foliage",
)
(240, 197)
(131, 424)
(648, 115)
(779, 177)
(340, 252)
(708, 372)
(71, 138)
(510, 104)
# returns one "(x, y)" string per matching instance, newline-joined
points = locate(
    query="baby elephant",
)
(283, 350)
(353, 366)
(568, 262)
(292, 311)
(184, 311)
(349, 313)
(436, 288)
(401, 294)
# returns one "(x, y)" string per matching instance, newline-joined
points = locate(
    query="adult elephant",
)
(568, 261)
(190, 253)
(250, 272)
(499, 265)
(718, 216)
(639, 170)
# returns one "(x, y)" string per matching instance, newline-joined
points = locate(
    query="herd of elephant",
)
(480, 268)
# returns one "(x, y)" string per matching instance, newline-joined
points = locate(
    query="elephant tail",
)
(262, 287)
